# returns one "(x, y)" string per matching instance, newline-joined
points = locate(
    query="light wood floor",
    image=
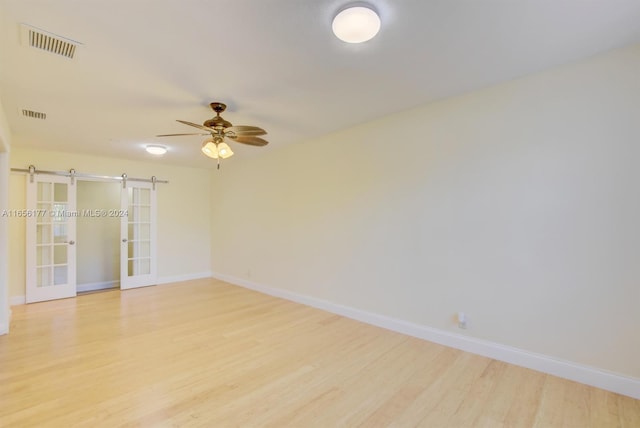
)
(207, 354)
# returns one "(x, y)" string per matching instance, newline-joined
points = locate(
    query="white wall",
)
(518, 204)
(97, 238)
(4, 222)
(183, 211)
(5, 134)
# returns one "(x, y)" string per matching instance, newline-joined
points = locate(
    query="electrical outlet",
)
(462, 320)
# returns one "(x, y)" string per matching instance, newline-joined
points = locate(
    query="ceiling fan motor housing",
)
(217, 122)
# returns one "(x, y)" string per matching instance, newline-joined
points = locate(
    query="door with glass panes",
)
(51, 256)
(138, 252)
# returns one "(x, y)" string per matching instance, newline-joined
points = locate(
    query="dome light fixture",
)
(156, 149)
(356, 24)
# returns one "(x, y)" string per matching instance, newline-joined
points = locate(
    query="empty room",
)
(320, 213)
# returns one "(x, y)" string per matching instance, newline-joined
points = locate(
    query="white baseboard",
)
(4, 324)
(21, 300)
(94, 286)
(565, 369)
(17, 300)
(185, 277)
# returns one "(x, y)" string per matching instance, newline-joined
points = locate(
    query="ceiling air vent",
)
(34, 114)
(40, 39)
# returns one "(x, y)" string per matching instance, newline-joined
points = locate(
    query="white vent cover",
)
(40, 39)
(34, 114)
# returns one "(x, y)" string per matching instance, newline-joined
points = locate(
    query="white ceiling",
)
(275, 63)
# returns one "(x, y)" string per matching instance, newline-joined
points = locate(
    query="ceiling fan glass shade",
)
(224, 151)
(356, 24)
(209, 149)
(213, 150)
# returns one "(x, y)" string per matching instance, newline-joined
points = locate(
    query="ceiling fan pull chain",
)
(218, 162)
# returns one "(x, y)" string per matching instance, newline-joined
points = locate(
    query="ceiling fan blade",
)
(245, 130)
(204, 128)
(179, 135)
(250, 140)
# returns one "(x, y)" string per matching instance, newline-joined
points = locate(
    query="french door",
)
(51, 228)
(138, 247)
(51, 236)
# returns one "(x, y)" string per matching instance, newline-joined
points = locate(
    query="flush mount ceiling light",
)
(156, 149)
(356, 24)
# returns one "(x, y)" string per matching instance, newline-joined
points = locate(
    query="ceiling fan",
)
(219, 129)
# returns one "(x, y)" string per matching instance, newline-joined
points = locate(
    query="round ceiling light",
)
(155, 149)
(356, 24)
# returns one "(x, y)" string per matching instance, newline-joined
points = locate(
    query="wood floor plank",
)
(205, 353)
(523, 391)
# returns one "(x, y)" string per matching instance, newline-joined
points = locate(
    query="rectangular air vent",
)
(40, 39)
(34, 114)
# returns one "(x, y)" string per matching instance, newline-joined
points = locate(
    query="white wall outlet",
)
(462, 320)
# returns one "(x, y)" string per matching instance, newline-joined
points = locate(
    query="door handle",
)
(71, 242)
(124, 239)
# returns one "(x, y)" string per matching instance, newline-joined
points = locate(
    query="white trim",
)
(94, 286)
(185, 277)
(4, 327)
(17, 300)
(5, 312)
(20, 300)
(599, 378)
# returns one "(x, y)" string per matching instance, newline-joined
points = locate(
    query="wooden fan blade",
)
(179, 135)
(245, 130)
(250, 140)
(204, 128)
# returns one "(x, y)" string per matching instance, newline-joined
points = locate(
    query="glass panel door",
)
(138, 252)
(51, 218)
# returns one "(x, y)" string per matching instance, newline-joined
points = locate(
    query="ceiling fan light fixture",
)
(209, 148)
(356, 24)
(224, 151)
(216, 150)
(156, 149)
(219, 129)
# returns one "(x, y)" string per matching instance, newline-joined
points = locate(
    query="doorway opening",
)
(98, 235)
